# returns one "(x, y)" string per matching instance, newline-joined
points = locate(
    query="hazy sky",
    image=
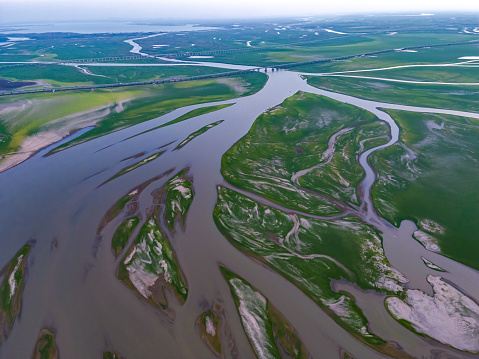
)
(37, 10)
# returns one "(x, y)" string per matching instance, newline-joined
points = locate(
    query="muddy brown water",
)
(73, 289)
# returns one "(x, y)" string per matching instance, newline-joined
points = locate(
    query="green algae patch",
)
(150, 265)
(210, 326)
(122, 234)
(195, 134)
(179, 196)
(264, 326)
(45, 347)
(302, 154)
(11, 290)
(310, 253)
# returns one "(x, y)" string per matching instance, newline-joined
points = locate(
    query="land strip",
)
(231, 73)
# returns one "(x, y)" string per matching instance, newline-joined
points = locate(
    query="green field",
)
(135, 166)
(150, 266)
(197, 133)
(462, 98)
(11, 290)
(210, 329)
(111, 355)
(265, 327)
(178, 198)
(111, 109)
(159, 100)
(355, 45)
(68, 46)
(293, 137)
(430, 177)
(62, 75)
(122, 234)
(291, 200)
(289, 244)
(450, 74)
(45, 347)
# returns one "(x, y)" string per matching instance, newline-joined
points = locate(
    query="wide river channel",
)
(72, 287)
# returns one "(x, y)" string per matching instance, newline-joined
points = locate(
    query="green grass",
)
(122, 234)
(197, 133)
(206, 319)
(160, 100)
(45, 347)
(147, 73)
(60, 75)
(118, 206)
(438, 185)
(115, 210)
(179, 196)
(68, 46)
(111, 355)
(427, 74)
(152, 255)
(337, 46)
(197, 112)
(292, 137)
(41, 109)
(462, 98)
(433, 55)
(340, 177)
(285, 335)
(134, 166)
(11, 290)
(264, 326)
(56, 75)
(310, 253)
(141, 104)
(368, 43)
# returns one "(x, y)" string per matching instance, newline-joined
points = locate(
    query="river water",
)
(73, 287)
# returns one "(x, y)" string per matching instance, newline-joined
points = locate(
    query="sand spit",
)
(448, 316)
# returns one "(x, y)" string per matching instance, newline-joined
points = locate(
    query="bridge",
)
(224, 74)
(125, 84)
(112, 58)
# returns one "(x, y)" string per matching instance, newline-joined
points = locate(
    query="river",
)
(73, 287)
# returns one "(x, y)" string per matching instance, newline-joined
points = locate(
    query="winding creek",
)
(73, 288)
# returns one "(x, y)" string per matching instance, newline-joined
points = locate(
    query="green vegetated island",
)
(148, 264)
(292, 198)
(289, 159)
